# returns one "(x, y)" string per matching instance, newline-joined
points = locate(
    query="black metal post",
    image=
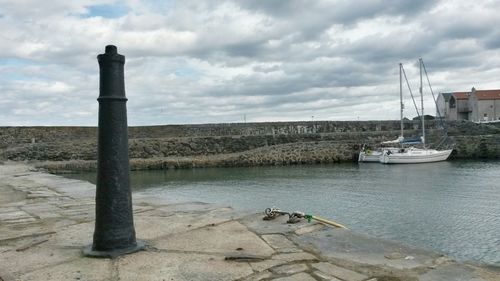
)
(114, 232)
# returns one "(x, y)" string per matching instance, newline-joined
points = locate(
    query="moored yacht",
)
(415, 155)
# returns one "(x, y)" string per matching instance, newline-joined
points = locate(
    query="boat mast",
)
(422, 103)
(401, 95)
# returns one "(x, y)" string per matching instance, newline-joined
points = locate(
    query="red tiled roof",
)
(488, 94)
(461, 95)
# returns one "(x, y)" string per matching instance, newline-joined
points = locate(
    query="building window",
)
(452, 103)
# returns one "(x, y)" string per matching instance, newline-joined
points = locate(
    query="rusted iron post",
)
(114, 232)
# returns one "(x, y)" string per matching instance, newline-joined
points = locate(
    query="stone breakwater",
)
(248, 144)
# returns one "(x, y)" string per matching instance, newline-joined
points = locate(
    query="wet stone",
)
(394, 256)
(309, 229)
(452, 272)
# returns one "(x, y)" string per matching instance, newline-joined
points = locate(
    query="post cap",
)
(111, 49)
(111, 55)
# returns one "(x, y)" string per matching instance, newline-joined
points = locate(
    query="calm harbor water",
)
(452, 207)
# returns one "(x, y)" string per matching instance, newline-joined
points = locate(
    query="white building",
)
(476, 105)
(484, 105)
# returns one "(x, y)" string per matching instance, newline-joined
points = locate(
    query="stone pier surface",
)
(46, 220)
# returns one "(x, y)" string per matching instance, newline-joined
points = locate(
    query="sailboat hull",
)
(413, 156)
(369, 157)
(374, 155)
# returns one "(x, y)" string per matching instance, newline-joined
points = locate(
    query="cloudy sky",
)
(229, 61)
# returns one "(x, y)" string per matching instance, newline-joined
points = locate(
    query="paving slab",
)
(41, 193)
(81, 269)
(159, 266)
(266, 264)
(227, 238)
(339, 272)
(78, 235)
(73, 188)
(141, 208)
(149, 226)
(40, 210)
(297, 277)
(289, 269)
(280, 243)
(16, 231)
(17, 263)
(189, 207)
(258, 276)
(15, 216)
(292, 257)
(9, 195)
(326, 277)
(4, 210)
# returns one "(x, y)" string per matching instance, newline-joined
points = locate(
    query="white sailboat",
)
(413, 155)
(373, 155)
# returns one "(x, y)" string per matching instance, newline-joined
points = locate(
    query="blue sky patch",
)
(187, 72)
(13, 69)
(107, 10)
(15, 62)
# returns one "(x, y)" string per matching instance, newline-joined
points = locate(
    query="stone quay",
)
(46, 220)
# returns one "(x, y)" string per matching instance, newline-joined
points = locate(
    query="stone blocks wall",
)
(242, 144)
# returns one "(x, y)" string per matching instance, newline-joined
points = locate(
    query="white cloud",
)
(216, 61)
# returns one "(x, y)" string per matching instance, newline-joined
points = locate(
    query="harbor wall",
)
(242, 144)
